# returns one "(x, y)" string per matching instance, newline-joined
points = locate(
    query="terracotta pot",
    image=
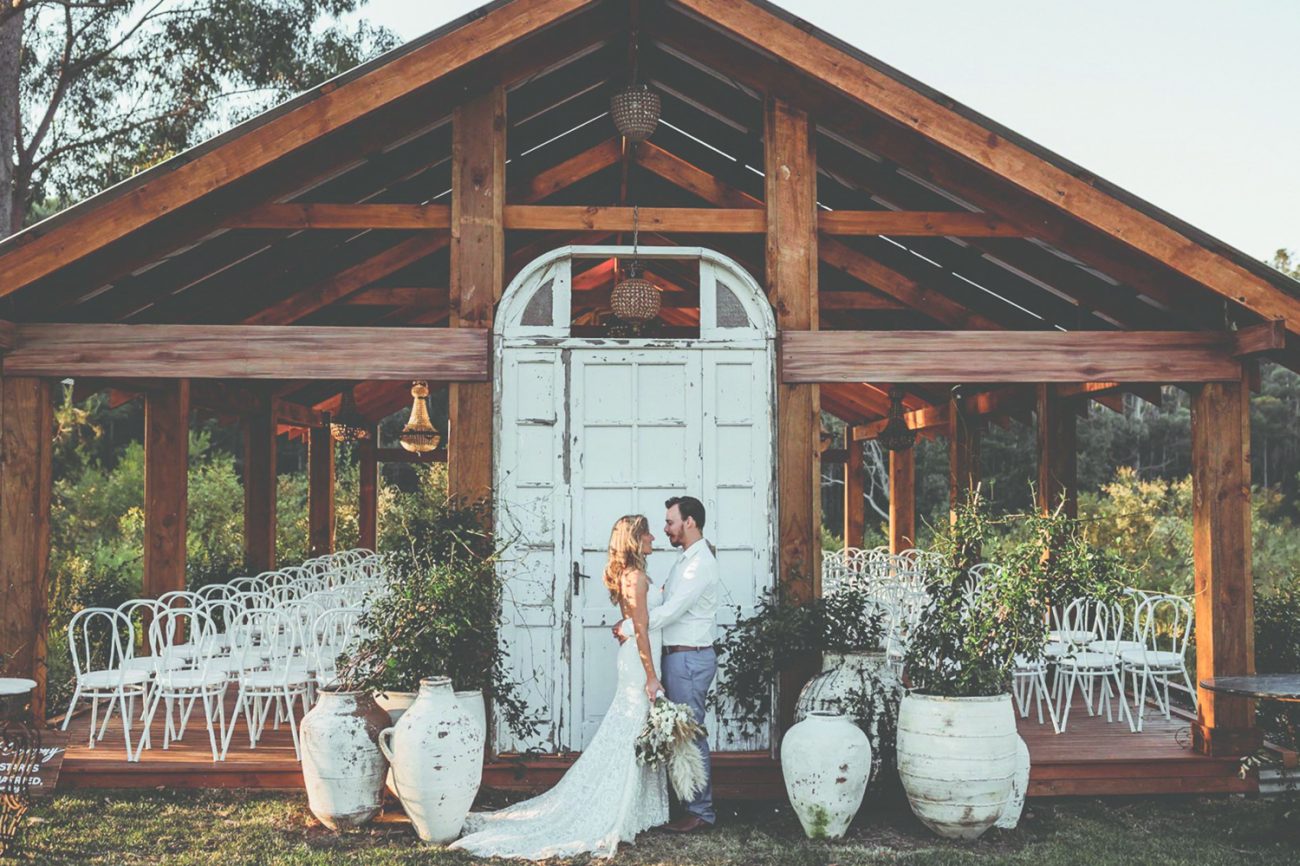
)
(436, 752)
(961, 762)
(341, 762)
(825, 760)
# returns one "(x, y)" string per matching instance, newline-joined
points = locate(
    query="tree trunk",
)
(11, 42)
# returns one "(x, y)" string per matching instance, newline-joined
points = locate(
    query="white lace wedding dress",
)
(605, 798)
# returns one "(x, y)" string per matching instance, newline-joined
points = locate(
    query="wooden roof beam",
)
(833, 252)
(1022, 356)
(868, 86)
(248, 352)
(322, 110)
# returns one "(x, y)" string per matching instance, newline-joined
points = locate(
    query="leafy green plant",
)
(966, 642)
(438, 615)
(779, 637)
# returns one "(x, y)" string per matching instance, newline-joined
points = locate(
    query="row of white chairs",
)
(1091, 646)
(275, 637)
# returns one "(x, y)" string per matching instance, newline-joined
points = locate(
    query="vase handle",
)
(383, 741)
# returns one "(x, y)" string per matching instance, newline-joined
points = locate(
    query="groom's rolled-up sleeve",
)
(690, 585)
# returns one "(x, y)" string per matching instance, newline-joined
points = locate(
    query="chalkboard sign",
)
(43, 776)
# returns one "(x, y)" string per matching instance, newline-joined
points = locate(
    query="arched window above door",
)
(538, 303)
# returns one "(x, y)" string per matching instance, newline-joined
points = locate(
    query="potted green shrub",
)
(959, 756)
(847, 628)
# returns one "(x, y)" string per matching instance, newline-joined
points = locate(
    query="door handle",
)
(577, 579)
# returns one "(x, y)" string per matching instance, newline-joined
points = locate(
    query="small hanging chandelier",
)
(635, 108)
(896, 436)
(347, 425)
(419, 434)
(635, 300)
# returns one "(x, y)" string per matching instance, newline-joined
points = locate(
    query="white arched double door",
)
(588, 430)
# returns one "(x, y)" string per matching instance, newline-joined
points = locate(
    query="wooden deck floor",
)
(1091, 758)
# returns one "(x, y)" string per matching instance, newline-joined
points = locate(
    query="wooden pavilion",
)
(362, 235)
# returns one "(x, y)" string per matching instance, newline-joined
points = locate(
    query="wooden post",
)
(26, 445)
(855, 505)
(166, 485)
(902, 500)
(1221, 544)
(259, 492)
(368, 488)
(1058, 461)
(320, 491)
(963, 454)
(791, 245)
(477, 262)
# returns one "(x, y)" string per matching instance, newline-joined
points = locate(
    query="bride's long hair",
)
(624, 552)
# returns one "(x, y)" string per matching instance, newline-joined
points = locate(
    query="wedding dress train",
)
(605, 798)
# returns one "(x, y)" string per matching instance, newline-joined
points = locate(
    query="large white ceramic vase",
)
(826, 760)
(961, 762)
(341, 762)
(842, 674)
(436, 752)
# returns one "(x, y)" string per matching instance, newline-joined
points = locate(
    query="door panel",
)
(633, 414)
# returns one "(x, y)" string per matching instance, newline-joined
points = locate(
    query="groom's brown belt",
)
(685, 649)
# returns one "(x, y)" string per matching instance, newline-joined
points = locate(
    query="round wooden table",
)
(1264, 687)
(1283, 688)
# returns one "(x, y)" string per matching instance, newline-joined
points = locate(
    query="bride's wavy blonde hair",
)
(624, 552)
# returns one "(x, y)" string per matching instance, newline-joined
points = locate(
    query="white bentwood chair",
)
(101, 642)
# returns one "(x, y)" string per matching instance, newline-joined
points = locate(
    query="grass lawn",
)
(236, 827)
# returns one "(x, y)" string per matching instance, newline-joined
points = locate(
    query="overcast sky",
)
(1190, 104)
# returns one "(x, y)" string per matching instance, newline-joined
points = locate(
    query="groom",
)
(688, 616)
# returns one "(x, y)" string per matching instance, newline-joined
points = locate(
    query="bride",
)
(606, 797)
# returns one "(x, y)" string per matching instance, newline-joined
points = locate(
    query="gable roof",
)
(158, 247)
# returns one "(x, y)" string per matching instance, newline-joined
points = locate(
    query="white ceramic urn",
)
(471, 701)
(341, 761)
(436, 752)
(826, 760)
(842, 674)
(395, 703)
(962, 763)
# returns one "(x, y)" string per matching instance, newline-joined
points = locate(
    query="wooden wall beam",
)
(260, 432)
(250, 352)
(368, 492)
(791, 245)
(902, 500)
(477, 272)
(26, 477)
(1058, 458)
(855, 504)
(1009, 356)
(166, 486)
(1221, 546)
(320, 492)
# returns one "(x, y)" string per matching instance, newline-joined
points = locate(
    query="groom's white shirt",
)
(689, 613)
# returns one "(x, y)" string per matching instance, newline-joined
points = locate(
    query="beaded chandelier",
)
(636, 108)
(635, 299)
(419, 435)
(347, 425)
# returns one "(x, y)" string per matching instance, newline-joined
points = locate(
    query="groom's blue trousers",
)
(687, 677)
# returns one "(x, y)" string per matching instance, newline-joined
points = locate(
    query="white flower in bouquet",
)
(668, 738)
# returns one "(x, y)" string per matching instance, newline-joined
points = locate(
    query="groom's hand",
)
(618, 633)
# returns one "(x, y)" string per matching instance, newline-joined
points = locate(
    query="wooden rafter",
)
(38, 254)
(866, 85)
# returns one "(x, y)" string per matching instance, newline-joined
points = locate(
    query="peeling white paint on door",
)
(590, 429)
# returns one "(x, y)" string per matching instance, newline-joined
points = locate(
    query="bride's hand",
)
(652, 688)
